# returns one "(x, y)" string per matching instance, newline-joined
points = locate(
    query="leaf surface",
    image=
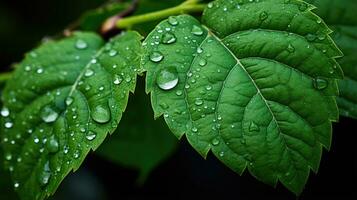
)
(340, 16)
(255, 84)
(62, 101)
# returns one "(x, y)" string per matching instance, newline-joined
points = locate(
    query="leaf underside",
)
(63, 100)
(256, 85)
(340, 16)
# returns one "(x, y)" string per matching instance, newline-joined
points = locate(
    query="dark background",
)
(23, 24)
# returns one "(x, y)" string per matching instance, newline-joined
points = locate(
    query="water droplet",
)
(320, 83)
(156, 56)
(164, 105)
(199, 50)
(39, 71)
(81, 44)
(196, 30)
(48, 115)
(52, 144)
(16, 185)
(91, 135)
(8, 124)
(215, 142)
(263, 16)
(194, 129)
(198, 101)
(8, 156)
(291, 48)
(113, 53)
(221, 154)
(179, 92)
(208, 87)
(69, 101)
(76, 154)
(89, 73)
(45, 174)
(173, 21)
(28, 68)
(202, 62)
(311, 37)
(253, 127)
(210, 5)
(36, 140)
(117, 80)
(168, 38)
(101, 114)
(5, 112)
(167, 78)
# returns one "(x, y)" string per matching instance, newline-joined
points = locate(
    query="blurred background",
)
(179, 174)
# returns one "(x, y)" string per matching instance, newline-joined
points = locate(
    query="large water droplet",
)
(168, 38)
(320, 83)
(81, 44)
(89, 73)
(45, 174)
(198, 101)
(173, 21)
(69, 101)
(91, 135)
(5, 112)
(156, 56)
(101, 114)
(196, 30)
(52, 144)
(167, 78)
(117, 80)
(48, 115)
(215, 142)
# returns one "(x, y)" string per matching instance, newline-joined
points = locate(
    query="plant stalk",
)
(189, 6)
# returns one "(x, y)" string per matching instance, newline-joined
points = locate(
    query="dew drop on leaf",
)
(117, 80)
(91, 135)
(168, 38)
(198, 102)
(89, 73)
(48, 115)
(5, 112)
(45, 174)
(81, 44)
(173, 21)
(156, 56)
(167, 78)
(101, 114)
(52, 145)
(69, 101)
(215, 142)
(196, 30)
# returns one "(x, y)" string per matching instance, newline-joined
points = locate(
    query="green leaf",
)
(255, 84)
(63, 100)
(341, 17)
(92, 20)
(140, 142)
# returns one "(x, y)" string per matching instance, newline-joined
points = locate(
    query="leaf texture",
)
(63, 100)
(340, 16)
(255, 84)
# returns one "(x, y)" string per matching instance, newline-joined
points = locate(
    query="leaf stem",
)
(188, 6)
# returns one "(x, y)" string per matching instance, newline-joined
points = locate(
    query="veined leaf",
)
(256, 85)
(140, 142)
(340, 16)
(63, 100)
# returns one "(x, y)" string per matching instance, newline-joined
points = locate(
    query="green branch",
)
(189, 6)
